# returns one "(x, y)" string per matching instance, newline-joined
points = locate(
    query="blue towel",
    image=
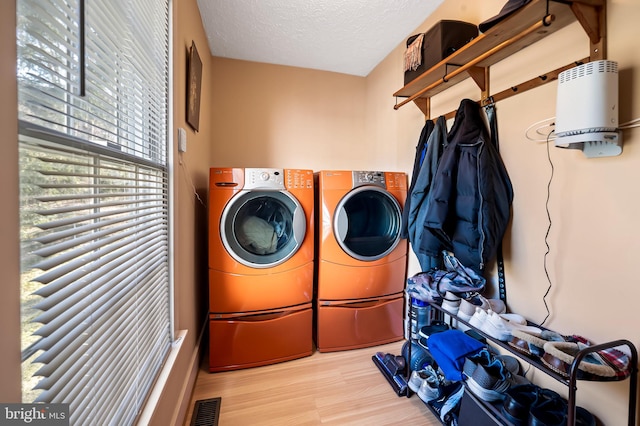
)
(450, 348)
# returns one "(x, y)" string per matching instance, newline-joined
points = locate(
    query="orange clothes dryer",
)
(362, 261)
(261, 266)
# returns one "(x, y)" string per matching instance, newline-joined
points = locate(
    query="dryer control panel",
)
(368, 178)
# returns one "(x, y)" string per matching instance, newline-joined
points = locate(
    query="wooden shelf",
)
(525, 27)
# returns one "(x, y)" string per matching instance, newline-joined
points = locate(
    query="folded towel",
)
(413, 54)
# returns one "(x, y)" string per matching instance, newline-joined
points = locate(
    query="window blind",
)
(93, 110)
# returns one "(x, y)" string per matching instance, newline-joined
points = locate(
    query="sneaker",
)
(434, 327)
(478, 319)
(416, 379)
(514, 318)
(468, 306)
(487, 357)
(430, 386)
(451, 302)
(500, 328)
(491, 378)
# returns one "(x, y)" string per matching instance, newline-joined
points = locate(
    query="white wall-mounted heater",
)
(587, 109)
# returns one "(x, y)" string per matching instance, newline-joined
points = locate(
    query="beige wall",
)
(286, 117)
(266, 115)
(191, 172)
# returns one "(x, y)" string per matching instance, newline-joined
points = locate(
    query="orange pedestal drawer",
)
(344, 326)
(239, 341)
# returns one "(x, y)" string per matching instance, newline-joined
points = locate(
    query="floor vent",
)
(206, 412)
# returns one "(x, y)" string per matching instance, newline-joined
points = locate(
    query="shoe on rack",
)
(451, 302)
(514, 318)
(448, 403)
(489, 356)
(431, 385)
(451, 405)
(468, 306)
(434, 327)
(416, 379)
(531, 344)
(478, 319)
(550, 409)
(491, 377)
(518, 401)
(500, 328)
(584, 417)
(559, 357)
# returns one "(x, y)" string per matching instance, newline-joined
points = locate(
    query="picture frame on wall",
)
(194, 83)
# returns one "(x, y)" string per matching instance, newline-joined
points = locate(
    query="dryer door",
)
(262, 229)
(367, 223)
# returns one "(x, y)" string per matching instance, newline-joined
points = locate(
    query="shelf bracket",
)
(480, 76)
(425, 106)
(593, 21)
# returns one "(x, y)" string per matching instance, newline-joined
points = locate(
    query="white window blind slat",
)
(55, 339)
(58, 360)
(81, 231)
(108, 253)
(94, 203)
(68, 306)
(104, 358)
(117, 266)
(81, 239)
(88, 252)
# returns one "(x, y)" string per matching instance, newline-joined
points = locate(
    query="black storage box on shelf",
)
(440, 41)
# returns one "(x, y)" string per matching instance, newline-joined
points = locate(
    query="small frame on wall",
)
(194, 83)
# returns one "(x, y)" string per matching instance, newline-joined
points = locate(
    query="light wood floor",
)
(337, 388)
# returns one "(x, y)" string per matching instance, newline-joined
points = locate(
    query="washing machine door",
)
(367, 223)
(262, 229)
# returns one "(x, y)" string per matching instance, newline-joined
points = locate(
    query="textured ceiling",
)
(345, 36)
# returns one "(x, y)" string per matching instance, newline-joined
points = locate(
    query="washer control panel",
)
(263, 178)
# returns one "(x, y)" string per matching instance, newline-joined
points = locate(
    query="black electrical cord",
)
(546, 237)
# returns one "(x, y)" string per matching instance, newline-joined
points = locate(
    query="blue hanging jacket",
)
(469, 204)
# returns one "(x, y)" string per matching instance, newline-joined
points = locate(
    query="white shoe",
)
(451, 303)
(468, 306)
(500, 328)
(478, 319)
(514, 318)
(430, 387)
(416, 379)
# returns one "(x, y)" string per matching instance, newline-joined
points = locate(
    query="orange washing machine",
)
(261, 266)
(362, 261)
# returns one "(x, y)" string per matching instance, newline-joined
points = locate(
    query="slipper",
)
(559, 357)
(532, 344)
(616, 358)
